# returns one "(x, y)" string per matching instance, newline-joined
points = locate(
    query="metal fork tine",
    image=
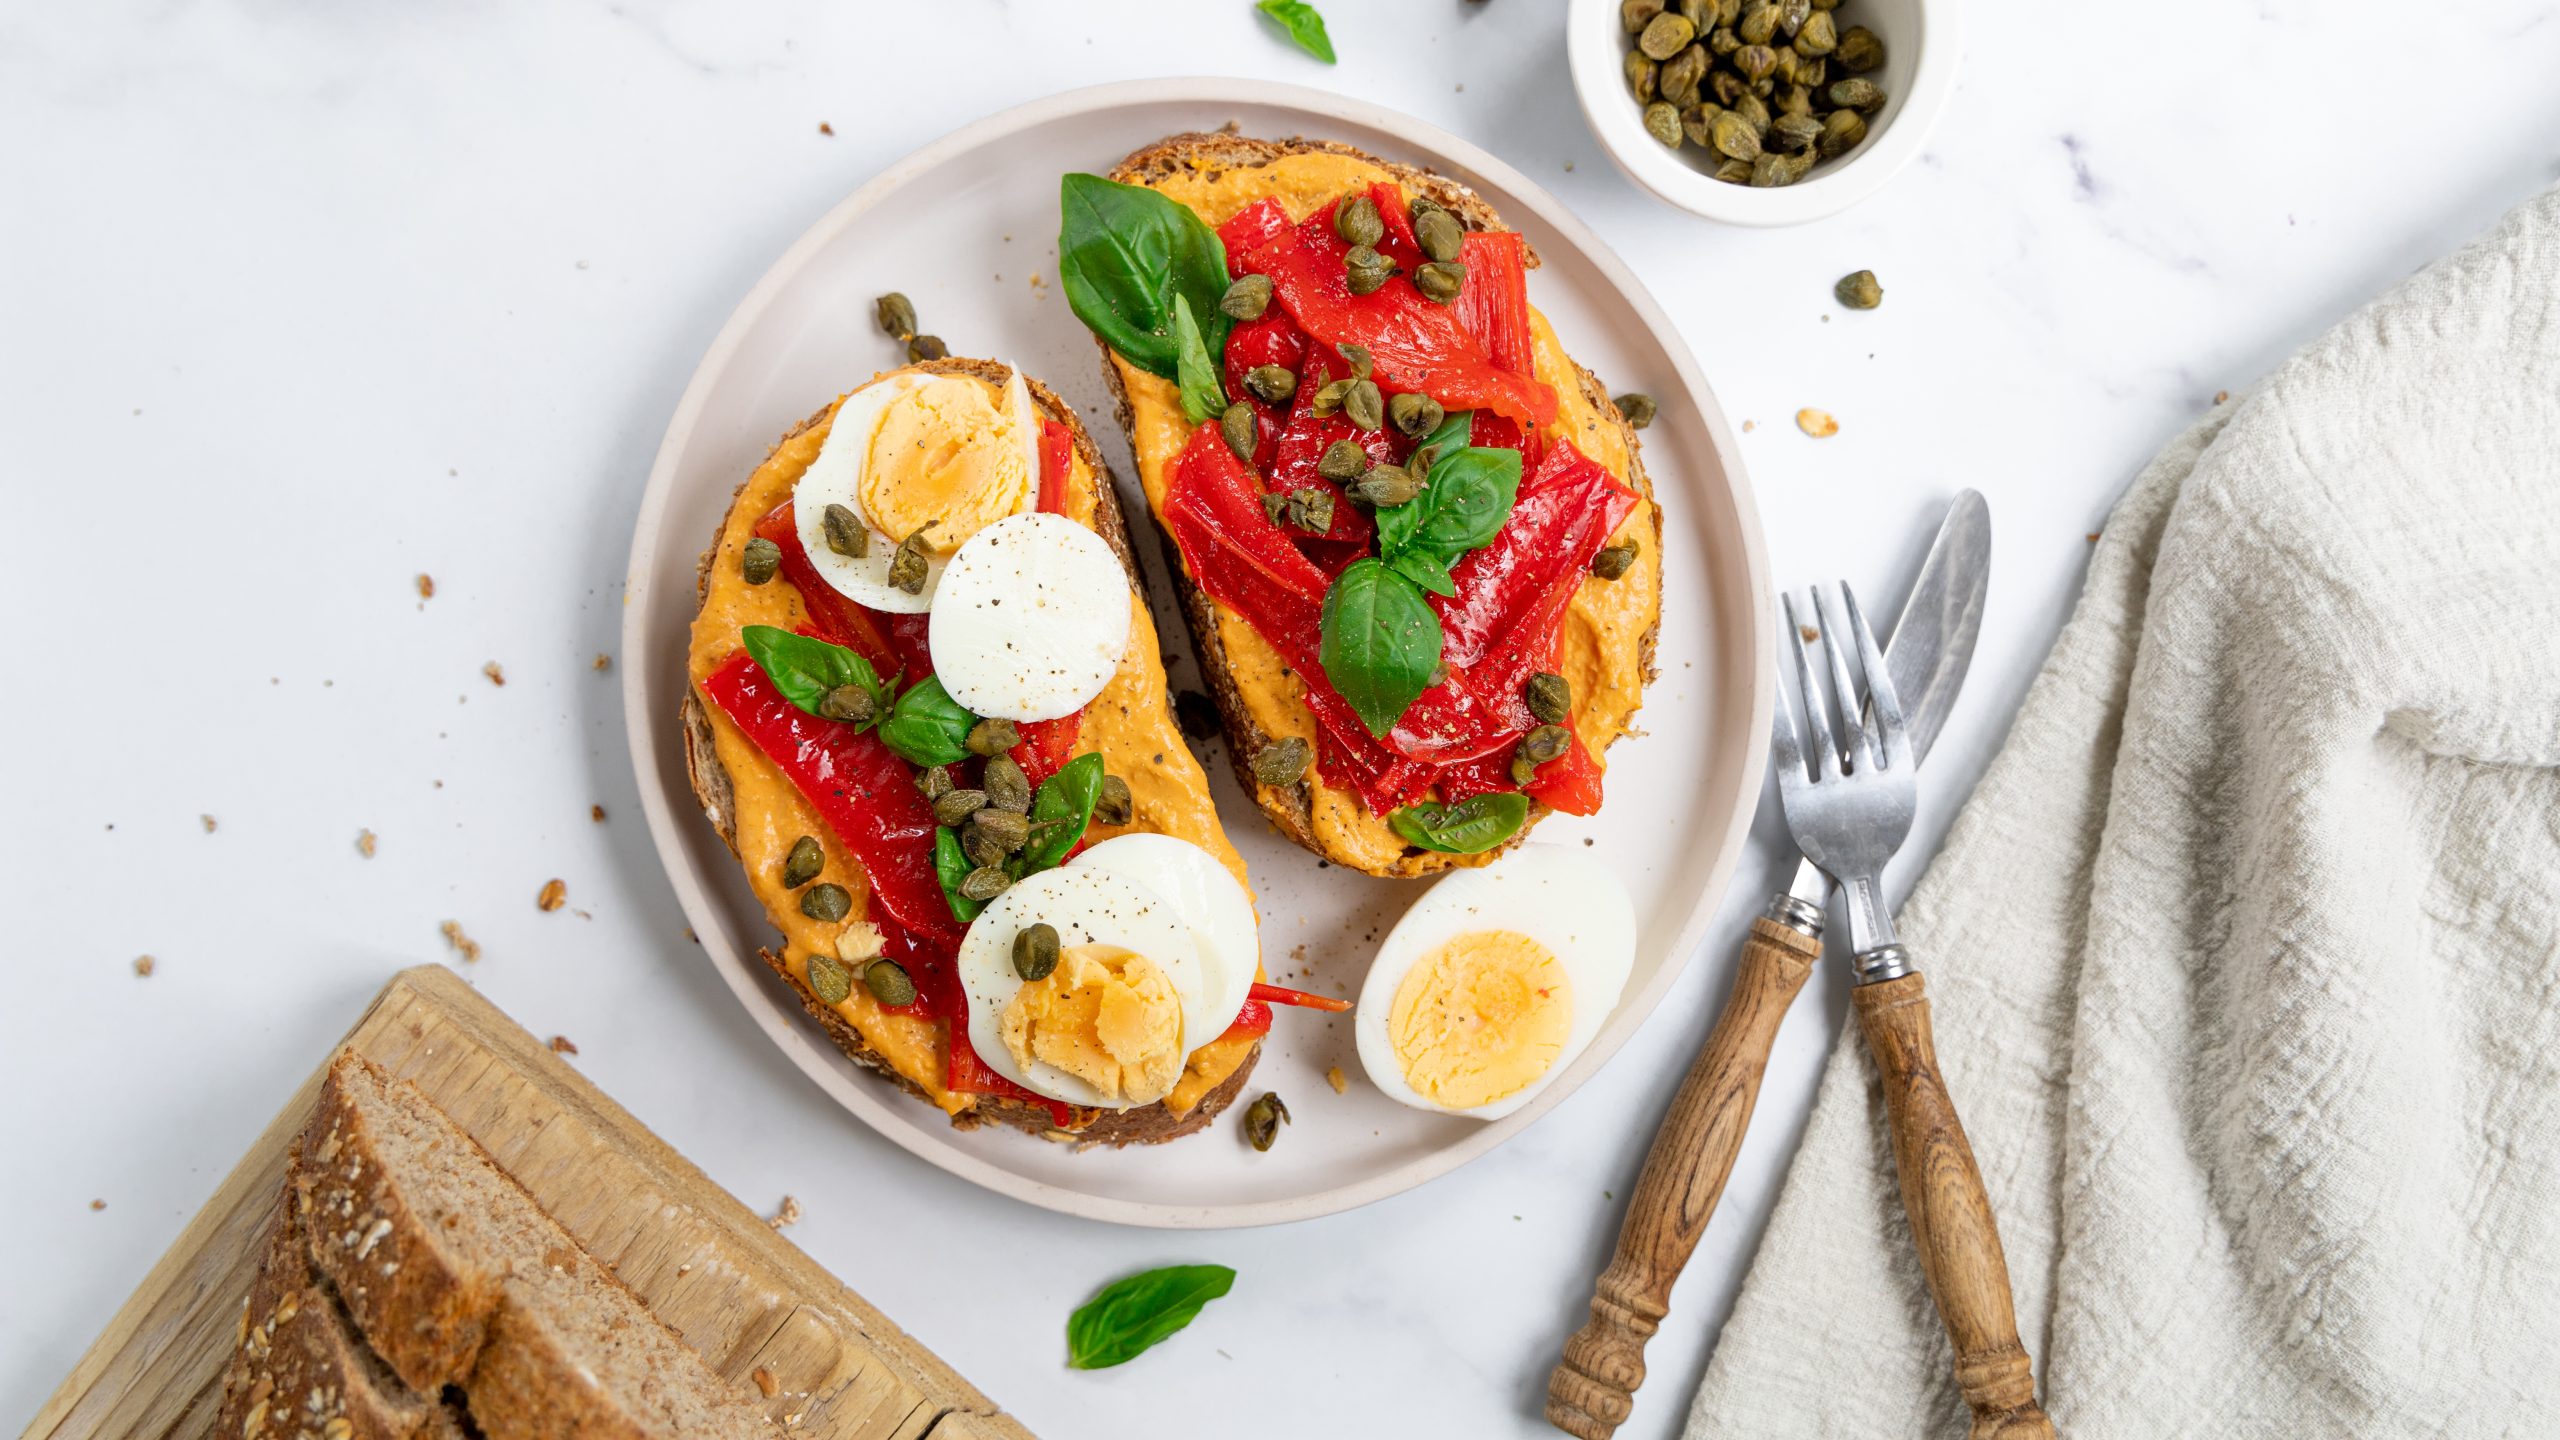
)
(1854, 741)
(1892, 737)
(1782, 742)
(1817, 723)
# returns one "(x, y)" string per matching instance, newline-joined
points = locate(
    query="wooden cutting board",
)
(736, 1290)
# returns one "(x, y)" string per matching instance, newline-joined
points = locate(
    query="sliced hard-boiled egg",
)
(1210, 900)
(1030, 619)
(948, 455)
(1494, 981)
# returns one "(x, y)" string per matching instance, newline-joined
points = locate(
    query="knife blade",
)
(1931, 646)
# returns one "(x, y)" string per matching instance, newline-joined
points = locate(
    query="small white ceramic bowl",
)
(1918, 76)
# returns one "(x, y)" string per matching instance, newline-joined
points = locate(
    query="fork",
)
(1849, 797)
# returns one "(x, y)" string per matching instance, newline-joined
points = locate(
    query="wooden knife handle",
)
(1593, 1389)
(1951, 1222)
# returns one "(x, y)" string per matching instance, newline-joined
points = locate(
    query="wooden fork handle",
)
(1593, 1389)
(1951, 1222)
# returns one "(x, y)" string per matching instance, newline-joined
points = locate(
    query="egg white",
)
(1031, 618)
(1211, 902)
(835, 478)
(1561, 898)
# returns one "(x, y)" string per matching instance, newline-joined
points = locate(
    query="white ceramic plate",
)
(961, 226)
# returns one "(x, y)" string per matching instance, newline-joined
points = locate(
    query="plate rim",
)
(645, 731)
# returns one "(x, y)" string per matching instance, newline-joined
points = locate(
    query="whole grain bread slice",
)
(717, 794)
(1291, 808)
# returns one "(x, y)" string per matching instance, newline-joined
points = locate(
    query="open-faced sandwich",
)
(1419, 555)
(928, 716)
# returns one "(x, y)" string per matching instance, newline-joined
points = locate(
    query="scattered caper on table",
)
(1859, 291)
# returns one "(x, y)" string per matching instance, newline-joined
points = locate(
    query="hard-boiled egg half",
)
(1494, 981)
(1030, 612)
(1157, 951)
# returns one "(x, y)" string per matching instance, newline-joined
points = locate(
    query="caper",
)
(1818, 35)
(1770, 169)
(1638, 407)
(1385, 487)
(888, 983)
(982, 846)
(845, 532)
(1666, 35)
(1311, 509)
(802, 865)
(1797, 165)
(1005, 829)
(1358, 358)
(954, 806)
(1636, 14)
(1274, 505)
(1613, 560)
(1841, 129)
(992, 736)
(1735, 136)
(1545, 743)
(1357, 221)
(985, 883)
(1859, 50)
(1681, 76)
(1859, 291)
(1415, 414)
(826, 901)
(1550, 697)
(1328, 399)
(1239, 429)
(1795, 99)
(935, 782)
(829, 980)
(1283, 761)
(1114, 805)
(1723, 40)
(1734, 172)
(1726, 87)
(1344, 460)
(1791, 133)
(1363, 405)
(1793, 13)
(1441, 280)
(1271, 384)
(1759, 21)
(1035, 951)
(1006, 786)
(907, 567)
(1754, 112)
(1523, 770)
(1696, 120)
(1642, 74)
(1662, 122)
(921, 348)
(1440, 235)
(1247, 298)
(1856, 93)
(1783, 67)
(1262, 1121)
(850, 703)
(1756, 62)
(761, 558)
(1365, 269)
(896, 315)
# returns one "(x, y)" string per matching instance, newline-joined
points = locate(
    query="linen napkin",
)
(2246, 953)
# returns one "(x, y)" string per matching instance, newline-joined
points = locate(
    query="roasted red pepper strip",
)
(1416, 344)
(1307, 999)
(1290, 454)
(1534, 567)
(1493, 305)
(1057, 451)
(1046, 745)
(1254, 1019)
(1249, 229)
(1570, 782)
(867, 795)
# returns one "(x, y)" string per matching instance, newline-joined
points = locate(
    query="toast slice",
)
(879, 1043)
(1328, 822)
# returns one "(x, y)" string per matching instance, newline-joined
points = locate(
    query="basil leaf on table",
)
(928, 727)
(1204, 392)
(1125, 253)
(804, 669)
(1378, 641)
(1470, 827)
(951, 866)
(1464, 502)
(1133, 1314)
(1064, 806)
(1304, 25)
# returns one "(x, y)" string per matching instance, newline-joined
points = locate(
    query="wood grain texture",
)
(1592, 1390)
(1951, 1221)
(722, 1278)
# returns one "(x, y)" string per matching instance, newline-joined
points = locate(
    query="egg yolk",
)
(948, 452)
(1107, 1016)
(1480, 1017)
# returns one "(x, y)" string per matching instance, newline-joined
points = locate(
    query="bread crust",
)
(1291, 809)
(712, 787)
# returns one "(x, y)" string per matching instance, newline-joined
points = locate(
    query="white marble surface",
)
(297, 301)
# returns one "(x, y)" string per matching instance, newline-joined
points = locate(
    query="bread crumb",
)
(555, 893)
(2221, 397)
(497, 674)
(143, 965)
(604, 662)
(765, 1382)
(365, 843)
(97, 1204)
(2093, 537)
(1808, 635)
(596, 813)
(1750, 425)
(824, 129)
(463, 944)
(426, 586)
(210, 824)
(1333, 1077)
(789, 1214)
(1816, 423)
(562, 1045)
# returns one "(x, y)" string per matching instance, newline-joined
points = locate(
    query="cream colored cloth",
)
(2246, 952)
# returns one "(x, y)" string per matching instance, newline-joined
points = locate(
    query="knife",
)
(1593, 1388)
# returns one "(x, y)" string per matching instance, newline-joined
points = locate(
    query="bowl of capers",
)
(1762, 112)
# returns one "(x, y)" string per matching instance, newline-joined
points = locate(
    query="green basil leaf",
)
(1303, 24)
(804, 670)
(1124, 254)
(1132, 1314)
(1060, 809)
(1456, 433)
(1379, 641)
(1424, 569)
(951, 866)
(928, 727)
(1470, 827)
(1463, 505)
(1204, 391)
